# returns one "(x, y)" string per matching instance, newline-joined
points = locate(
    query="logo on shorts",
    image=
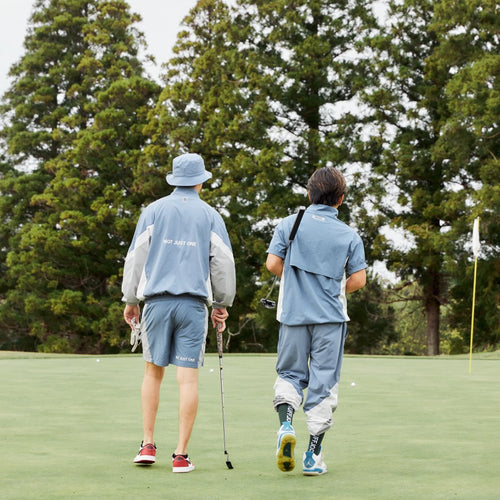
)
(185, 358)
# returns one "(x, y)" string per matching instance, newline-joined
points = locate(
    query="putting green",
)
(409, 428)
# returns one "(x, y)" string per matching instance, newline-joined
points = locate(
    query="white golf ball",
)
(211, 370)
(97, 360)
(353, 384)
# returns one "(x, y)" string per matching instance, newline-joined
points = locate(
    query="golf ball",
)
(97, 360)
(211, 370)
(353, 384)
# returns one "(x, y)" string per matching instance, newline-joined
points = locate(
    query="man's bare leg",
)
(187, 379)
(150, 399)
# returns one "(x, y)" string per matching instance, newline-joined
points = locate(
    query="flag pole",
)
(472, 319)
(475, 247)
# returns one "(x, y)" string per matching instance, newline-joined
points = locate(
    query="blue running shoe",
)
(313, 465)
(286, 445)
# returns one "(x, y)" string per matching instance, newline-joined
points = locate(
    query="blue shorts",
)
(174, 330)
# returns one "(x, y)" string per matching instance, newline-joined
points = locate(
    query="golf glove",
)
(135, 335)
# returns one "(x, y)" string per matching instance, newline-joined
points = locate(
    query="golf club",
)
(220, 349)
(267, 302)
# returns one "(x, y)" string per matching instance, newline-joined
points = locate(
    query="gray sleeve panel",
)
(222, 272)
(133, 271)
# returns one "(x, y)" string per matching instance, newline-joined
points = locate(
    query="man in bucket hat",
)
(179, 262)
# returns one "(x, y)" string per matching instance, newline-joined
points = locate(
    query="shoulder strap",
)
(296, 224)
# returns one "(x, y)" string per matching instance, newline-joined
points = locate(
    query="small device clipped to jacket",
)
(267, 302)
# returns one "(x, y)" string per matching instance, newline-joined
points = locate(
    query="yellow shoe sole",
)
(284, 457)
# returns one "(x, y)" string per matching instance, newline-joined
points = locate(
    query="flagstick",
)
(476, 245)
(472, 319)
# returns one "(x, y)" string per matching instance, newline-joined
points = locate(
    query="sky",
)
(161, 20)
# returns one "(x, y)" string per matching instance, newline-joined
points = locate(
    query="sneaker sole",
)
(183, 469)
(144, 460)
(314, 472)
(285, 460)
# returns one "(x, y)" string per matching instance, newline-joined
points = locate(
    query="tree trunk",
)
(432, 312)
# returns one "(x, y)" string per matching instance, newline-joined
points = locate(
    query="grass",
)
(410, 428)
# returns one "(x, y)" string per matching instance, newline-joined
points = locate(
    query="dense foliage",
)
(404, 99)
(432, 151)
(74, 116)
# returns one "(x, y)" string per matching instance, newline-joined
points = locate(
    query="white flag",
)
(476, 244)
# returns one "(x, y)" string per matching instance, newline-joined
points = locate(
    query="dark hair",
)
(326, 186)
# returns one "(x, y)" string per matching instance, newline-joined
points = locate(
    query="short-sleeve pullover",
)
(312, 288)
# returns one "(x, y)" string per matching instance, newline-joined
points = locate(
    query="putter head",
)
(228, 462)
(268, 304)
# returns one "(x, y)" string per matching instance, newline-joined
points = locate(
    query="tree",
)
(304, 56)
(308, 58)
(75, 113)
(469, 51)
(258, 91)
(202, 109)
(373, 324)
(415, 189)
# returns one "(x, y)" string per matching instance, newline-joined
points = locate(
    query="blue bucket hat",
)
(188, 170)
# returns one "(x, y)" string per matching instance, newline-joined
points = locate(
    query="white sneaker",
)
(313, 465)
(286, 445)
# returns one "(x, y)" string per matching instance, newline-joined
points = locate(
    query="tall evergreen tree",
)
(418, 188)
(303, 55)
(206, 108)
(410, 186)
(306, 58)
(258, 91)
(469, 142)
(75, 113)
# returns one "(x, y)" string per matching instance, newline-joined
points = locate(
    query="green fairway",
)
(410, 428)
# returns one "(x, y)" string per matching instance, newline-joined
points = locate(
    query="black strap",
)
(271, 304)
(296, 225)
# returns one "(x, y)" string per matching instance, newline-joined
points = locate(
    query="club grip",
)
(219, 340)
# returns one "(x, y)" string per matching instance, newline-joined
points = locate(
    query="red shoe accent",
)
(147, 455)
(181, 463)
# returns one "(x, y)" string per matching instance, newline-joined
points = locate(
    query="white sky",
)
(160, 24)
(161, 20)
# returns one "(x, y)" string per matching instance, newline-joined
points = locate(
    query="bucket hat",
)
(188, 170)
